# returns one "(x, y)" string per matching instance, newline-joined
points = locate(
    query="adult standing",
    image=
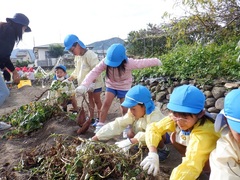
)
(10, 33)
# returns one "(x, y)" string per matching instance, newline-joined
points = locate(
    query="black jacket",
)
(7, 42)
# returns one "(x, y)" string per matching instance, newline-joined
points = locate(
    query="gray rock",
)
(208, 94)
(219, 103)
(218, 92)
(209, 102)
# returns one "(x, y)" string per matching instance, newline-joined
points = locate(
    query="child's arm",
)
(93, 74)
(154, 134)
(114, 128)
(143, 63)
(202, 142)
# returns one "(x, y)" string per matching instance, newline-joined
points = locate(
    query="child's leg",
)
(106, 105)
(180, 148)
(91, 104)
(74, 103)
(163, 150)
(109, 96)
(124, 109)
(98, 102)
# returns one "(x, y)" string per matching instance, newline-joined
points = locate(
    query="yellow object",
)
(24, 83)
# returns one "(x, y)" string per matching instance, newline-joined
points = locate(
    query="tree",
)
(56, 51)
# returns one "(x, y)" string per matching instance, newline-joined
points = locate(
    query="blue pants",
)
(4, 91)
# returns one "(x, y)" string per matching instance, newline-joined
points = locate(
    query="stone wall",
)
(215, 93)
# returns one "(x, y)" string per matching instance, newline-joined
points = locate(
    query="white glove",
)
(67, 81)
(151, 162)
(91, 87)
(81, 90)
(125, 144)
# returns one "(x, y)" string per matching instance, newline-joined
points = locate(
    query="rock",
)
(161, 96)
(219, 104)
(209, 102)
(208, 94)
(218, 92)
(207, 87)
(231, 85)
(213, 110)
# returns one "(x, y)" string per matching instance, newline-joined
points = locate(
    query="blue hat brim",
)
(61, 67)
(129, 103)
(112, 64)
(183, 109)
(79, 42)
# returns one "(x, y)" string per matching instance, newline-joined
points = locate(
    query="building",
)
(44, 60)
(22, 55)
(42, 55)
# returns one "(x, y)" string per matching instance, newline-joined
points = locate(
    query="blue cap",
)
(70, 40)
(60, 66)
(20, 18)
(231, 109)
(139, 95)
(116, 54)
(186, 99)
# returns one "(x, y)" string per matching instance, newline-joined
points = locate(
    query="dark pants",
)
(6, 75)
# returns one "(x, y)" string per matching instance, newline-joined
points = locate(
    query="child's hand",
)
(125, 144)
(92, 87)
(66, 81)
(81, 90)
(151, 163)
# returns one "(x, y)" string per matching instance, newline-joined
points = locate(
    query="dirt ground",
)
(11, 150)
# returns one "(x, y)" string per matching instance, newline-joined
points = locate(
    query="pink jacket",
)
(123, 82)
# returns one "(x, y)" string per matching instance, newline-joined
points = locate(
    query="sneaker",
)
(4, 126)
(163, 154)
(99, 125)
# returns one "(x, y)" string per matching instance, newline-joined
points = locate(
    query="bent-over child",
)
(141, 113)
(192, 134)
(225, 159)
(65, 87)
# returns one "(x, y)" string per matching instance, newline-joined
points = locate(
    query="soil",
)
(11, 150)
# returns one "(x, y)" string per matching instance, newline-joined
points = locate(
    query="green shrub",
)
(203, 63)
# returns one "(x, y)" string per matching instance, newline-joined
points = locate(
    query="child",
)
(68, 88)
(225, 159)
(85, 60)
(141, 113)
(118, 77)
(193, 134)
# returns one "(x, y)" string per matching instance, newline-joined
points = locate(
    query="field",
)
(14, 150)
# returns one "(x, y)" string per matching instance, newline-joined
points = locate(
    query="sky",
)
(90, 20)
